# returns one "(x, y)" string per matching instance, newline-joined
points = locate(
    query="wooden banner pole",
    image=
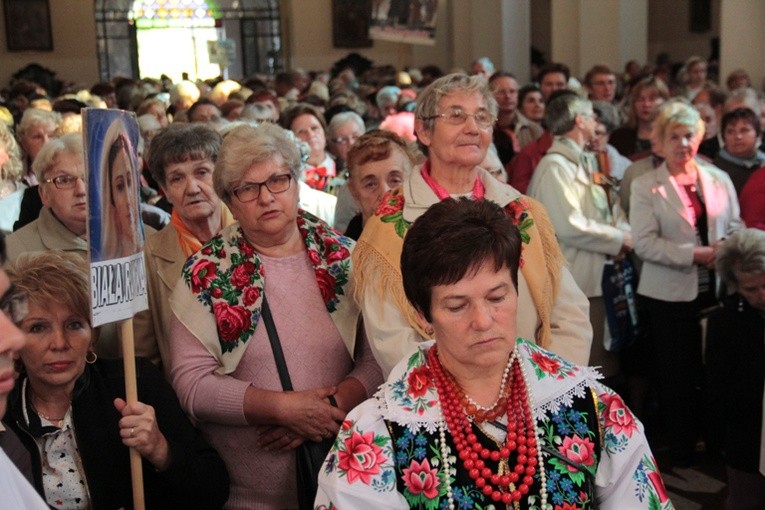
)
(131, 397)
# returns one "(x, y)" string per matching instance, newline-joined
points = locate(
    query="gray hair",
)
(35, 117)
(607, 114)
(387, 96)
(179, 143)
(746, 96)
(247, 145)
(427, 101)
(561, 112)
(69, 144)
(343, 118)
(743, 251)
(487, 64)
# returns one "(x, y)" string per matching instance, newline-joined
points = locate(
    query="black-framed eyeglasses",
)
(14, 304)
(456, 116)
(250, 191)
(64, 181)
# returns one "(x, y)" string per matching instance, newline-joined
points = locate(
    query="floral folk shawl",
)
(387, 453)
(220, 293)
(382, 241)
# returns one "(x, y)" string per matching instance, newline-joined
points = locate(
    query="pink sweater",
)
(316, 356)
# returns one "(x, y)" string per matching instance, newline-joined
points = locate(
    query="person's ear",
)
(422, 132)
(426, 326)
(44, 196)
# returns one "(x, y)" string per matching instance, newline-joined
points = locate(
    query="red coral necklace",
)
(459, 411)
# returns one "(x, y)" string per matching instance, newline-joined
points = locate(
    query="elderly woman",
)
(455, 118)
(34, 130)
(344, 129)
(740, 156)
(308, 125)
(679, 214)
(61, 225)
(634, 138)
(222, 364)
(378, 162)
(735, 362)
(69, 409)
(481, 417)
(693, 76)
(11, 184)
(610, 162)
(181, 159)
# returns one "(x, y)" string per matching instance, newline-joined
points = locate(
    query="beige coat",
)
(665, 234)
(45, 233)
(164, 261)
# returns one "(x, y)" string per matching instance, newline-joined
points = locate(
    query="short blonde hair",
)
(46, 158)
(54, 276)
(13, 169)
(246, 145)
(677, 113)
(34, 117)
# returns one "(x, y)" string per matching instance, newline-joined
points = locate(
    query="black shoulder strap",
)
(276, 346)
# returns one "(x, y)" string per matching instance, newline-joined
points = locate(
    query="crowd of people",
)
(402, 270)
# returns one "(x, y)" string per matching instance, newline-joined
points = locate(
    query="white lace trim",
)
(550, 393)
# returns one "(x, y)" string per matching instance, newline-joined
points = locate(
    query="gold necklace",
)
(58, 422)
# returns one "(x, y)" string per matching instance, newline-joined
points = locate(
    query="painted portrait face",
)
(124, 199)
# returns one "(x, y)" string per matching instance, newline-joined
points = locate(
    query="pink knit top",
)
(316, 357)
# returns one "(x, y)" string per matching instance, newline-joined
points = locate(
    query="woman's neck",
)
(52, 402)
(481, 384)
(644, 130)
(455, 180)
(280, 245)
(683, 173)
(206, 228)
(316, 159)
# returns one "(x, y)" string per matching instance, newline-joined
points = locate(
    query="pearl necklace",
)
(535, 448)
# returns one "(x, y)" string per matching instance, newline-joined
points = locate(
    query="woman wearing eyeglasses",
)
(455, 115)
(59, 168)
(222, 362)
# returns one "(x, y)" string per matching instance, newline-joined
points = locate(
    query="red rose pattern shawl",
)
(221, 289)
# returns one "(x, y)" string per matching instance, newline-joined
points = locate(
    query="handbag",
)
(310, 455)
(618, 286)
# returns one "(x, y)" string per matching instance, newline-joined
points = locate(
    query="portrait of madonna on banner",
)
(115, 231)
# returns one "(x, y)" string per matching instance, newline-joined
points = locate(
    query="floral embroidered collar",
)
(227, 278)
(410, 399)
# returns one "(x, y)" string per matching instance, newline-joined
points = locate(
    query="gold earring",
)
(91, 357)
(430, 331)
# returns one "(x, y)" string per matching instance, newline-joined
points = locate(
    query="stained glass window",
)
(174, 13)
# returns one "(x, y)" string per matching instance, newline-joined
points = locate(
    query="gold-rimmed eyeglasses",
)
(64, 181)
(457, 116)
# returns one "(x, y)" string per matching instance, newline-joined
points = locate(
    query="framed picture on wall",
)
(350, 23)
(27, 25)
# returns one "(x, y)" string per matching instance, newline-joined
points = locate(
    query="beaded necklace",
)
(508, 485)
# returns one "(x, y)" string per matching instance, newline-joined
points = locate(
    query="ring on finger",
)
(132, 431)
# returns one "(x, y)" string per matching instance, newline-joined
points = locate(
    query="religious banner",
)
(408, 21)
(115, 230)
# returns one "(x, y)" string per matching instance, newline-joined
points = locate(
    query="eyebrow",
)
(502, 285)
